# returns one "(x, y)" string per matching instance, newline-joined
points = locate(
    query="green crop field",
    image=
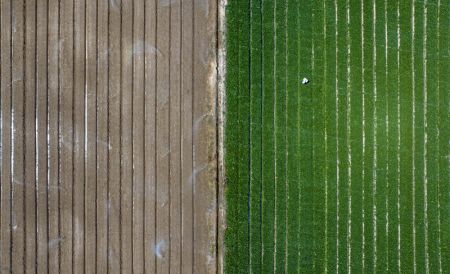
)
(350, 171)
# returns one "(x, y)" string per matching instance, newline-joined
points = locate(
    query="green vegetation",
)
(349, 172)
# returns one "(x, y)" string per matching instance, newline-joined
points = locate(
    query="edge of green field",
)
(350, 172)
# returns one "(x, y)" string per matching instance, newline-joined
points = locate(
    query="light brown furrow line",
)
(66, 116)
(175, 139)
(17, 137)
(194, 177)
(90, 135)
(114, 124)
(42, 138)
(6, 133)
(138, 146)
(30, 164)
(81, 117)
(162, 247)
(150, 68)
(53, 175)
(186, 133)
(6, 144)
(103, 146)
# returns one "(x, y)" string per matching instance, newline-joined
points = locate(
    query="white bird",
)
(305, 81)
